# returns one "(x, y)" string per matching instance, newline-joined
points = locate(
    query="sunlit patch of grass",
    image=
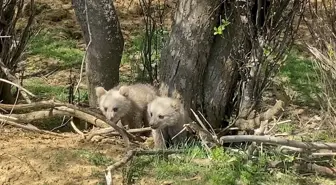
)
(47, 45)
(219, 167)
(323, 135)
(95, 158)
(45, 91)
(62, 157)
(286, 128)
(302, 77)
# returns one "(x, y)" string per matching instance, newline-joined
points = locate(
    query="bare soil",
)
(29, 158)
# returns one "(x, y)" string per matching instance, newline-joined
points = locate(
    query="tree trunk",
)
(101, 26)
(223, 76)
(196, 63)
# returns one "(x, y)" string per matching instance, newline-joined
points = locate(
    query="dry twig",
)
(111, 131)
(277, 141)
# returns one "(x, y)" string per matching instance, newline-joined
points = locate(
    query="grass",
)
(87, 156)
(286, 128)
(301, 77)
(95, 158)
(44, 91)
(224, 168)
(47, 45)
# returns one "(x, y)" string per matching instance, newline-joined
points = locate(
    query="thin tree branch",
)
(277, 141)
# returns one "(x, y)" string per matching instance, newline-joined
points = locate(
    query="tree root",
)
(251, 124)
(129, 155)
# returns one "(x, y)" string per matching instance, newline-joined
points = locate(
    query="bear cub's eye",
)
(115, 109)
(161, 117)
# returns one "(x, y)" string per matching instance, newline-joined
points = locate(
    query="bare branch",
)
(86, 48)
(111, 131)
(18, 86)
(31, 128)
(71, 110)
(76, 129)
(277, 141)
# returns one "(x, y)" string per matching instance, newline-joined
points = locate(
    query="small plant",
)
(95, 158)
(222, 26)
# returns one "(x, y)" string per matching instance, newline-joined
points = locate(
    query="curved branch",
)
(18, 86)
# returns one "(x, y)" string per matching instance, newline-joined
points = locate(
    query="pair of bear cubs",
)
(141, 105)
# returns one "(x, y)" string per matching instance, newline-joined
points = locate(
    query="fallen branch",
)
(129, 155)
(31, 106)
(285, 149)
(33, 129)
(277, 141)
(70, 110)
(58, 111)
(76, 129)
(111, 131)
(124, 134)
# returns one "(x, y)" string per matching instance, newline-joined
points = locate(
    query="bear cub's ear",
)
(124, 90)
(100, 91)
(176, 104)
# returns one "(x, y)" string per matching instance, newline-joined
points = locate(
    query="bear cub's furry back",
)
(127, 103)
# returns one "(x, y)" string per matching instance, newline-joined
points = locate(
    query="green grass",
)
(63, 156)
(95, 158)
(223, 168)
(302, 77)
(47, 45)
(286, 128)
(45, 91)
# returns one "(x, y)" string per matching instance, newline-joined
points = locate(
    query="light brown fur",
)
(166, 118)
(127, 103)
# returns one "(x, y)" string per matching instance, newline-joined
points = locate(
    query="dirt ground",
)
(29, 158)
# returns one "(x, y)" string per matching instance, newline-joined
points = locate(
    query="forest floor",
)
(55, 54)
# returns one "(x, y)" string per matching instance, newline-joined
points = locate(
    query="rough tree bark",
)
(224, 75)
(100, 24)
(192, 57)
